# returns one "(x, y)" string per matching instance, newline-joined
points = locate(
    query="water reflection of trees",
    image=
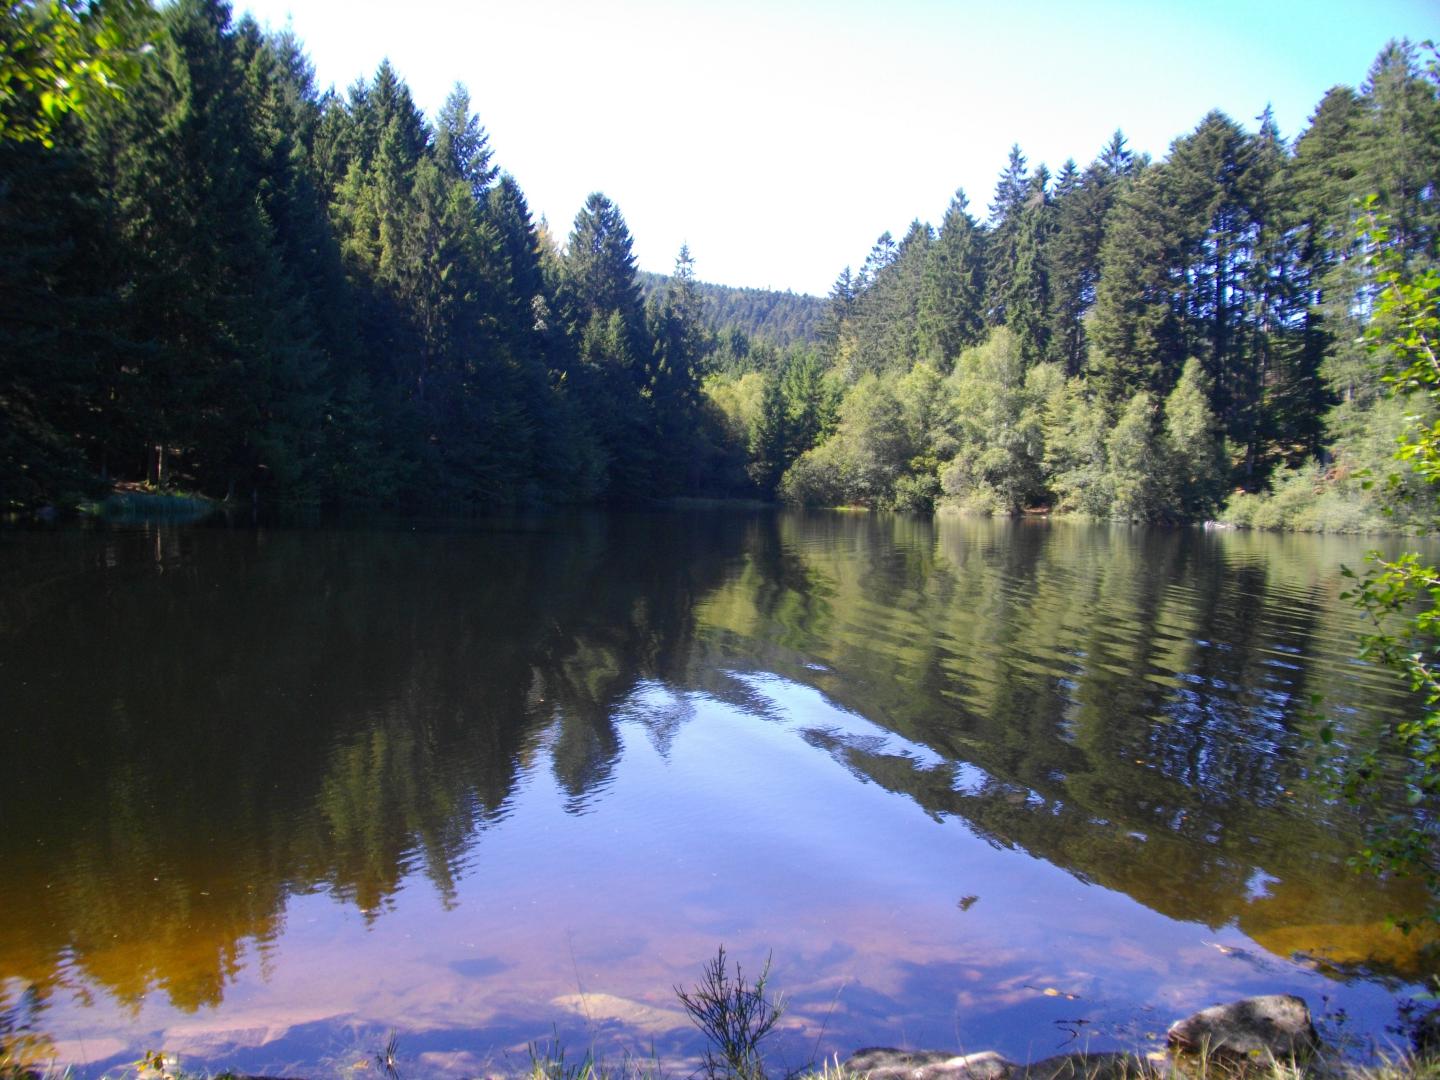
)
(1136, 702)
(213, 721)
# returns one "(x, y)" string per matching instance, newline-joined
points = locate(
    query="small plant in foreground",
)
(548, 1063)
(832, 1069)
(735, 1018)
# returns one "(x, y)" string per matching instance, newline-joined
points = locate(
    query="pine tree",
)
(951, 314)
(769, 439)
(231, 379)
(1179, 274)
(1082, 205)
(1327, 177)
(1027, 300)
(462, 146)
(1116, 159)
(599, 269)
(1012, 190)
(1403, 151)
(1287, 397)
(680, 344)
(810, 402)
(839, 306)
(886, 310)
(566, 454)
(1135, 331)
(1136, 455)
(602, 303)
(1214, 180)
(55, 318)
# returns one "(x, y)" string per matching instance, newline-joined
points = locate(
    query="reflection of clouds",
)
(81, 1052)
(636, 1015)
(659, 710)
(240, 1028)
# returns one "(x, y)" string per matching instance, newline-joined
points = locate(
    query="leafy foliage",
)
(1401, 596)
(62, 56)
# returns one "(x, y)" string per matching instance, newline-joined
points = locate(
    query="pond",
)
(275, 795)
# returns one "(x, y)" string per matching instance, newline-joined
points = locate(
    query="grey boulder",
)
(1275, 1026)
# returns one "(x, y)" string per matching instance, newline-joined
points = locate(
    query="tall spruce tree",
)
(1027, 298)
(462, 145)
(951, 314)
(1012, 190)
(677, 328)
(1082, 205)
(601, 298)
(1135, 332)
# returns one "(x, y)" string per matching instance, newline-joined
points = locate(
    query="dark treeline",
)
(231, 282)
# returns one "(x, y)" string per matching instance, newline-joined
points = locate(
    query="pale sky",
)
(780, 138)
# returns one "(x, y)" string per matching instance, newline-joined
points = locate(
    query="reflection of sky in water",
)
(970, 783)
(886, 926)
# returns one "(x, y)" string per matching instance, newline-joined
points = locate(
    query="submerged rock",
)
(887, 1063)
(1274, 1026)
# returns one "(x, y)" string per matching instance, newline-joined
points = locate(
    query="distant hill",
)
(780, 318)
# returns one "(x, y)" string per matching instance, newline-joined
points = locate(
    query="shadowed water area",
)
(273, 794)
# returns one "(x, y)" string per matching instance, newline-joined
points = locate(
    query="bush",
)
(735, 1018)
(1307, 499)
(815, 478)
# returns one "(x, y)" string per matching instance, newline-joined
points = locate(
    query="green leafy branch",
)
(62, 56)
(1401, 597)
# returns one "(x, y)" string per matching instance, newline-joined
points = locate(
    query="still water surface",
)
(272, 795)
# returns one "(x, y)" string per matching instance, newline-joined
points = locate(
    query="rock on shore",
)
(1272, 1027)
(1275, 1026)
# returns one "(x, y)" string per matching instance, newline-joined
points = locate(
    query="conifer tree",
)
(1082, 205)
(462, 146)
(680, 345)
(599, 269)
(1403, 151)
(1135, 332)
(769, 439)
(839, 306)
(1012, 190)
(1027, 299)
(1327, 176)
(951, 314)
(886, 311)
(1136, 454)
(602, 303)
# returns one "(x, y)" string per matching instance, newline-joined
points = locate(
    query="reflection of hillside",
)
(1136, 703)
(242, 716)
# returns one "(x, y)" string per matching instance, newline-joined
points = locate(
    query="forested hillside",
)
(776, 318)
(233, 282)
